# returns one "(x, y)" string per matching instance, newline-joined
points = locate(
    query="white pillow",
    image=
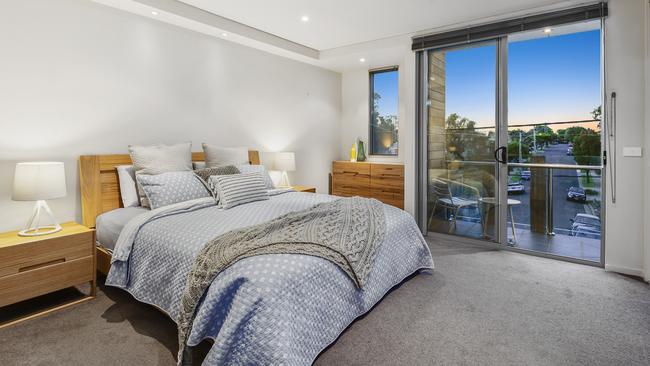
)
(128, 186)
(156, 159)
(247, 168)
(216, 156)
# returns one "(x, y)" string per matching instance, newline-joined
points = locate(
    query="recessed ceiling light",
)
(547, 30)
(224, 34)
(362, 59)
(154, 13)
(304, 18)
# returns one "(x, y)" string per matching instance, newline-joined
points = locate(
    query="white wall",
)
(626, 52)
(355, 96)
(79, 78)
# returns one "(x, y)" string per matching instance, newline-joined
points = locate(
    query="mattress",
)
(109, 225)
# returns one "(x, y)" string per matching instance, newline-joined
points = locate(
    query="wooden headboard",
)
(100, 187)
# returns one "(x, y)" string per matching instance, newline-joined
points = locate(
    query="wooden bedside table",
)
(34, 266)
(304, 189)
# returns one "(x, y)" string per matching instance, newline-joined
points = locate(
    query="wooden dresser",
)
(383, 181)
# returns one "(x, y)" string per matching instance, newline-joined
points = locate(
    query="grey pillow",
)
(237, 189)
(216, 156)
(247, 168)
(172, 187)
(156, 159)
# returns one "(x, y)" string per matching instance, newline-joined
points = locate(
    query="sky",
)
(550, 79)
(386, 85)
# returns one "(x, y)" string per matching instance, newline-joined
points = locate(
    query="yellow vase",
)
(353, 153)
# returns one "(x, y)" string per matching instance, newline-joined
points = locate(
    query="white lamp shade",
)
(285, 161)
(39, 181)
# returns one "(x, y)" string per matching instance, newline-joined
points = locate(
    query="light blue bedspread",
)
(281, 309)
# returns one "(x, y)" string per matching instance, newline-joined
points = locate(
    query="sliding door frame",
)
(421, 138)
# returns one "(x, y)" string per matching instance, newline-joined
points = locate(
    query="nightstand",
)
(38, 265)
(304, 189)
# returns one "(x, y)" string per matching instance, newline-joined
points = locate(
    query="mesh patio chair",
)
(445, 198)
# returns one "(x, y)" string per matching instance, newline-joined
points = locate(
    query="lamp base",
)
(41, 230)
(284, 180)
(32, 228)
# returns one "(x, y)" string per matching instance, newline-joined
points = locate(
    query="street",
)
(563, 179)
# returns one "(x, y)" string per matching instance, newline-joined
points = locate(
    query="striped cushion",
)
(236, 189)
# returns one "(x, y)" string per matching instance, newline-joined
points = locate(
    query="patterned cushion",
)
(247, 168)
(172, 187)
(221, 156)
(234, 190)
(156, 159)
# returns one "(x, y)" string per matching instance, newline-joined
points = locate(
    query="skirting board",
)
(625, 270)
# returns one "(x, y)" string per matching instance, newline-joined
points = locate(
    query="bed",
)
(266, 309)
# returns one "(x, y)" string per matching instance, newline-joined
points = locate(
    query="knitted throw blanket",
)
(346, 232)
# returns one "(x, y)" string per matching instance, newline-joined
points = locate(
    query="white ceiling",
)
(338, 23)
(339, 32)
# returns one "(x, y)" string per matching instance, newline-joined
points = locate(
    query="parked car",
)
(576, 194)
(585, 225)
(569, 150)
(516, 187)
(525, 174)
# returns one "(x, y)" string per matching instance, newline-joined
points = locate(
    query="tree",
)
(513, 151)
(596, 113)
(464, 141)
(572, 132)
(383, 125)
(586, 149)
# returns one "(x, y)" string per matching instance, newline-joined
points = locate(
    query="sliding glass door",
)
(554, 140)
(513, 146)
(462, 174)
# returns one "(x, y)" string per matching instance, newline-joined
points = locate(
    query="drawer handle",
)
(40, 265)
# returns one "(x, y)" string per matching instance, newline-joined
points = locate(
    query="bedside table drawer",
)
(40, 280)
(18, 258)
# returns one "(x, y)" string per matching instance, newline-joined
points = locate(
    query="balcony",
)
(553, 209)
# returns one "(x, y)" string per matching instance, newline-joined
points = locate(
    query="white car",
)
(516, 187)
(585, 225)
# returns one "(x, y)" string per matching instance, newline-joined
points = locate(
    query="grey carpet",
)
(479, 307)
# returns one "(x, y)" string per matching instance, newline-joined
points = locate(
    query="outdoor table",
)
(492, 201)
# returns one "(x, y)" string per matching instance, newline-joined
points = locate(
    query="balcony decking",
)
(587, 249)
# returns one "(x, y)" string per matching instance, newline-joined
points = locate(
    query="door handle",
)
(504, 154)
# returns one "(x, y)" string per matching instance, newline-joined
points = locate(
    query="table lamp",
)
(285, 162)
(39, 181)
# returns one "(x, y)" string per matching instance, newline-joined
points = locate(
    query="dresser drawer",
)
(350, 179)
(40, 280)
(387, 171)
(18, 258)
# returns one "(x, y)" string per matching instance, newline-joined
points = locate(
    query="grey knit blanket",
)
(346, 232)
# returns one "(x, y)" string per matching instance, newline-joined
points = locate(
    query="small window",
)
(383, 112)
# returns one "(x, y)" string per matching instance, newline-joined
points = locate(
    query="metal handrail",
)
(530, 165)
(557, 166)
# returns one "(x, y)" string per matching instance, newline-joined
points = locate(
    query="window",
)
(384, 124)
